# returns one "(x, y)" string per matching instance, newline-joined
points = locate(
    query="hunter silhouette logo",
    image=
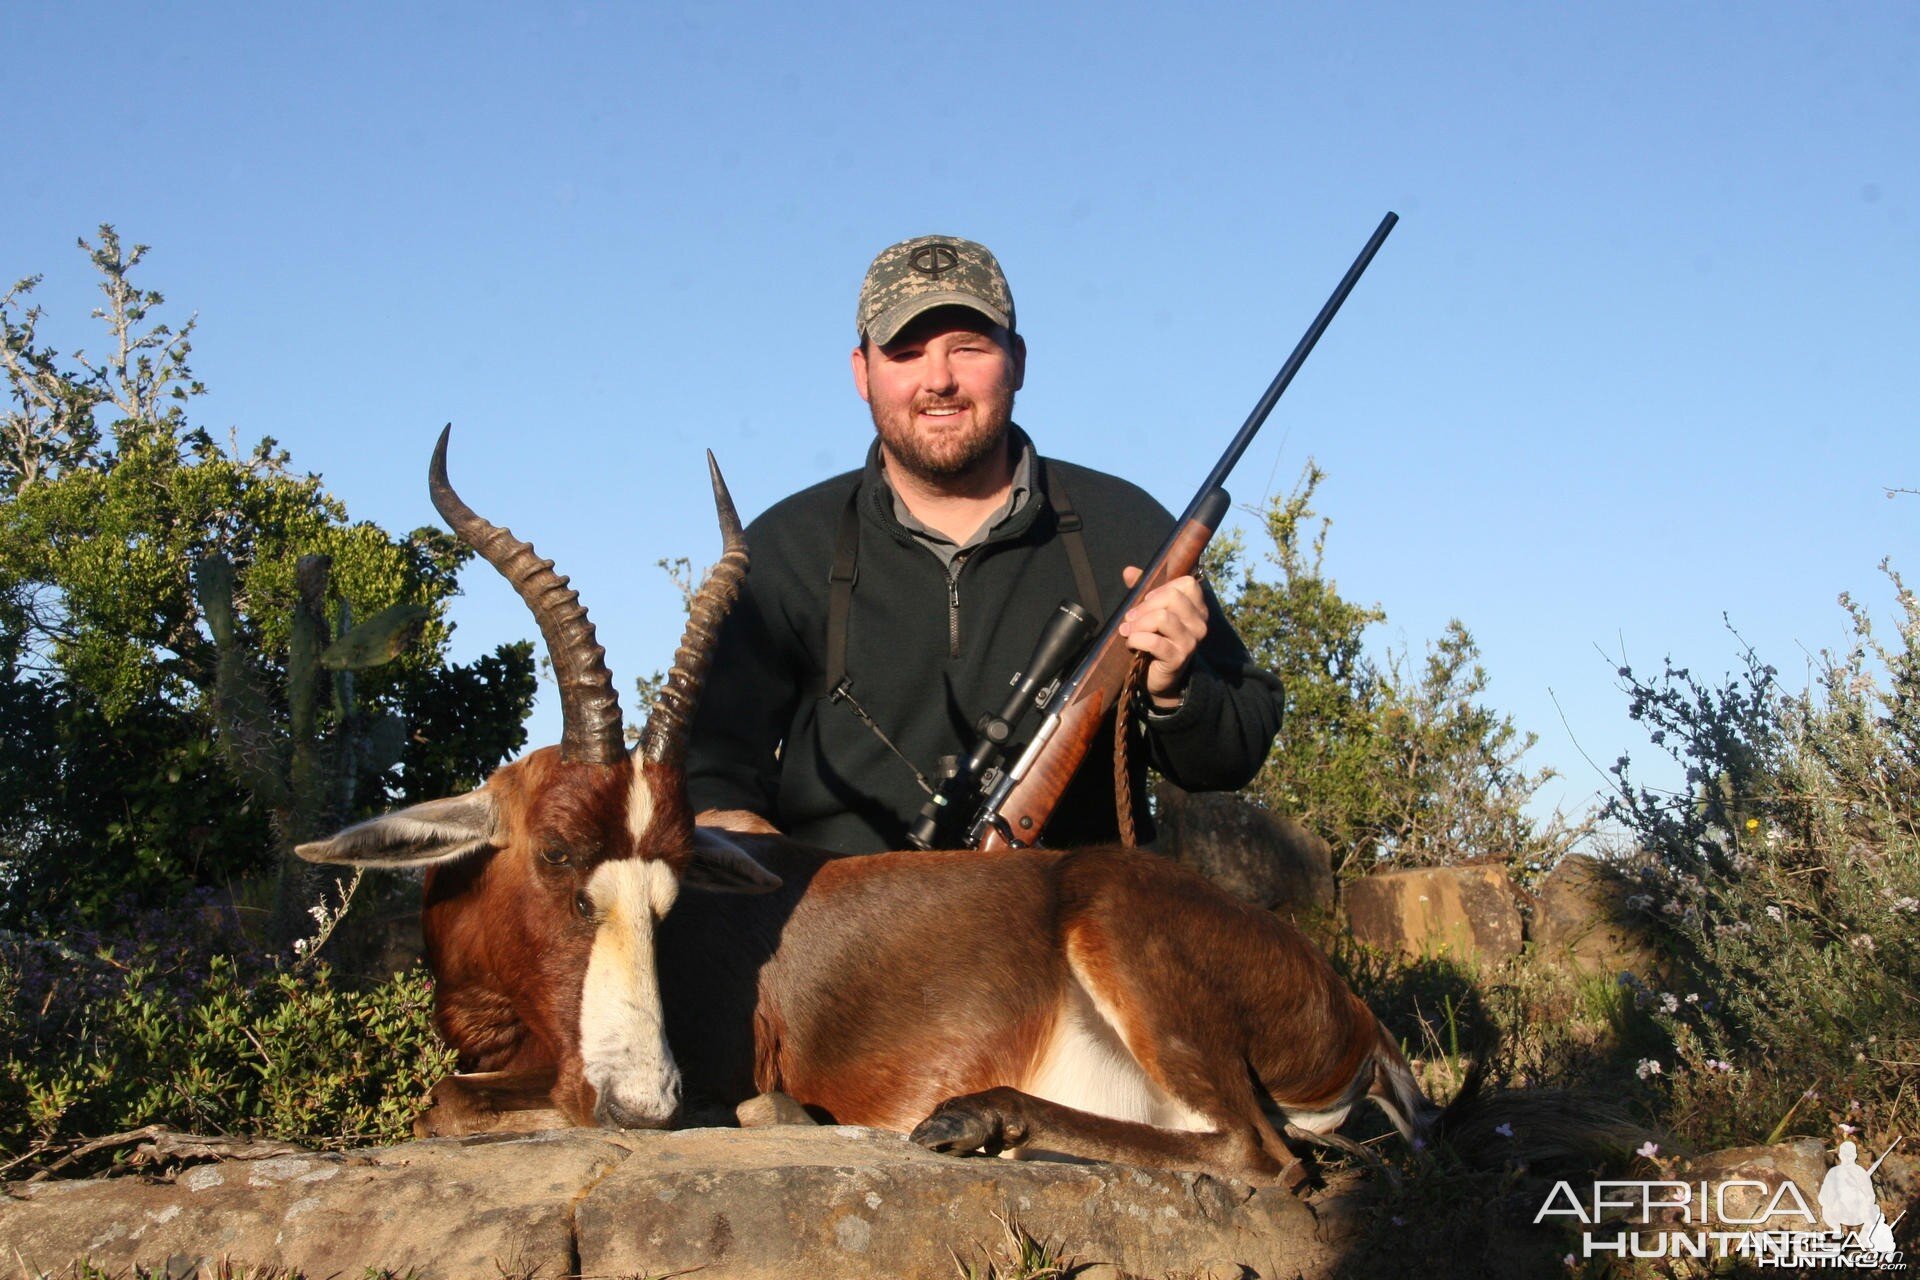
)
(931, 260)
(1848, 1204)
(1764, 1224)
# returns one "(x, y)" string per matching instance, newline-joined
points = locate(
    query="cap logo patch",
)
(931, 260)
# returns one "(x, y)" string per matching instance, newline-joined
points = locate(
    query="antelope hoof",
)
(961, 1126)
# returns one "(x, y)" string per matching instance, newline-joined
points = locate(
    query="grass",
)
(1018, 1255)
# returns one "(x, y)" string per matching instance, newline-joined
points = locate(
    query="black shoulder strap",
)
(1070, 522)
(840, 580)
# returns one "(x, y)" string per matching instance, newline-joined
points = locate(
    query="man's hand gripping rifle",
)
(1013, 804)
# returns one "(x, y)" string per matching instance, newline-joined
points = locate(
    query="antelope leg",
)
(1005, 1118)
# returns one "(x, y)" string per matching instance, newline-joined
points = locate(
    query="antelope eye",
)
(584, 905)
(554, 855)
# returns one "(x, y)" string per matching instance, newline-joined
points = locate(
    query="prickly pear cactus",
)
(303, 776)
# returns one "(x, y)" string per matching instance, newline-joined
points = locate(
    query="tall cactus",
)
(304, 778)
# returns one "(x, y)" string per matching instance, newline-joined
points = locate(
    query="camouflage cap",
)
(917, 275)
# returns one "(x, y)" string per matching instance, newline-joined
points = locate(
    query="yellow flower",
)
(1753, 824)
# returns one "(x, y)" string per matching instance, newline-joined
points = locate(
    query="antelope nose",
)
(616, 1116)
(617, 1111)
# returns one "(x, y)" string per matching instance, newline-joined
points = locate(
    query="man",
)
(887, 609)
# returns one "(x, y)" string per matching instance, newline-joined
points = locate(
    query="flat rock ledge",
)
(727, 1203)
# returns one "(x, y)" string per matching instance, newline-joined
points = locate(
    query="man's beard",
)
(949, 456)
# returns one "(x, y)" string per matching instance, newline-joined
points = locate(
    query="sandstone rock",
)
(1802, 1161)
(1756, 1174)
(473, 1207)
(1460, 913)
(763, 1109)
(781, 1201)
(1257, 856)
(1582, 919)
(855, 1203)
(1899, 1176)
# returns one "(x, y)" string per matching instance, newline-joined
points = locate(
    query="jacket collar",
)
(876, 495)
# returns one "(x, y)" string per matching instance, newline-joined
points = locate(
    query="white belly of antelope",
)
(1085, 1064)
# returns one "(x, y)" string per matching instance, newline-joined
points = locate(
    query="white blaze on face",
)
(623, 1038)
(639, 801)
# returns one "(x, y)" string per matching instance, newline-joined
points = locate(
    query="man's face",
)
(941, 392)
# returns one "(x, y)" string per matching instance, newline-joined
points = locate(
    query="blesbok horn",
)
(664, 740)
(591, 731)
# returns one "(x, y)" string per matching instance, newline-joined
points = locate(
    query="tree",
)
(109, 498)
(1390, 765)
(50, 423)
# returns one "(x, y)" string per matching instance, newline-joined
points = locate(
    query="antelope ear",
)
(721, 866)
(437, 831)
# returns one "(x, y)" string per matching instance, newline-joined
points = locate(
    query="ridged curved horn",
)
(664, 740)
(590, 709)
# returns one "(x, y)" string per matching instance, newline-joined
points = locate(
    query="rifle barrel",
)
(1097, 672)
(1205, 501)
(1278, 386)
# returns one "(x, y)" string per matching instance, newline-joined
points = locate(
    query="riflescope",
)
(1066, 633)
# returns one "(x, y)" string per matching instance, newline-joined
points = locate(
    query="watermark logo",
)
(1747, 1218)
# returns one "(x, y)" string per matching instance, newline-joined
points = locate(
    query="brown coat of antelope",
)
(1097, 1003)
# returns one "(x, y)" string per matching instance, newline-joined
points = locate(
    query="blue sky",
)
(1640, 353)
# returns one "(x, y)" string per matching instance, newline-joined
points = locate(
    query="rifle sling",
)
(1069, 523)
(840, 580)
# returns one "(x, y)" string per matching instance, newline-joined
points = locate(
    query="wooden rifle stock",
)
(1017, 808)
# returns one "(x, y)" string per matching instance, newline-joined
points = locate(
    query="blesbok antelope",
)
(1098, 1003)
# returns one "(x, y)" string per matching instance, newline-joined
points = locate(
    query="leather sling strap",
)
(1124, 729)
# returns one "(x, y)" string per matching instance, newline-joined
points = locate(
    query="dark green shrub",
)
(179, 1022)
(1395, 762)
(1788, 877)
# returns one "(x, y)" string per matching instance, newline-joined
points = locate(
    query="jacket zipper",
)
(953, 602)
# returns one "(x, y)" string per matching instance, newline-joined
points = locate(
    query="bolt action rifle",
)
(1015, 803)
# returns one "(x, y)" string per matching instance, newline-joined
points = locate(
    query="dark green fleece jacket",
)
(928, 655)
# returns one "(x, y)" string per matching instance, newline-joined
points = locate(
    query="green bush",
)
(1787, 877)
(1395, 763)
(136, 1030)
